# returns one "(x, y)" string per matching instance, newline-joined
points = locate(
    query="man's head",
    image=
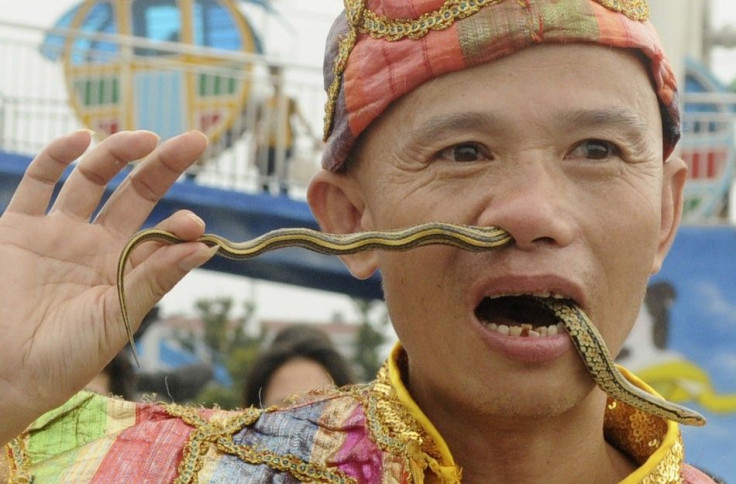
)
(562, 145)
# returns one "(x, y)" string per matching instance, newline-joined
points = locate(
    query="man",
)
(275, 128)
(553, 120)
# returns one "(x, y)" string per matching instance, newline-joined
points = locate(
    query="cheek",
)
(625, 215)
(626, 248)
(419, 289)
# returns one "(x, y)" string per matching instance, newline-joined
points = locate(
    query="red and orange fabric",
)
(379, 50)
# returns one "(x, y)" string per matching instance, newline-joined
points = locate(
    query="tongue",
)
(514, 311)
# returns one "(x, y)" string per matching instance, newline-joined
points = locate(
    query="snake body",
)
(464, 237)
(595, 355)
(583, 333)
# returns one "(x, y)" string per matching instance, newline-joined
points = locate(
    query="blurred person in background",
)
(300, 358)
(276, 129)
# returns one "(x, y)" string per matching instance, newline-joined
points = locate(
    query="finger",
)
(37, 185)
(151, 279)
(82, 191)
(132, 202)
(184, 224)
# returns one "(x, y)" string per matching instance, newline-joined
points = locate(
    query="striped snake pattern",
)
(585, 337)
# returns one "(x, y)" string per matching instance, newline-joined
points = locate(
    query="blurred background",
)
(248, 73)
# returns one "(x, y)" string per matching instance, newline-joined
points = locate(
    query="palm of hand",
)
(58, 285)
(58, 306)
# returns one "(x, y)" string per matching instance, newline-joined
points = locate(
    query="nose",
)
(534, 203)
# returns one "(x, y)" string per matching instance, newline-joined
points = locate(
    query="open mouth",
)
(521, 316)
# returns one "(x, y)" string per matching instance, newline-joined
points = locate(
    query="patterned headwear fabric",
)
(379, 50)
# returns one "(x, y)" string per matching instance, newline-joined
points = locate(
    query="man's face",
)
(562, 147)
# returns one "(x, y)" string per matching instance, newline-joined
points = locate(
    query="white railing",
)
(709, 149)
(36, 106)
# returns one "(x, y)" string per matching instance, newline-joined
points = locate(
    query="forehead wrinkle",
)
(438, 126)
(629, 122)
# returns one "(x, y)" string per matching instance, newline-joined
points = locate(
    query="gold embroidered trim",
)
(219, 433)
(634, 9)
(354, 16)
(395, 430)
(381, 27)
(390, 423)
(19, 472)
(361, 19)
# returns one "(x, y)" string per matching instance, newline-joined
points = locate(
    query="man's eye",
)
(594, 149)
(465, 152)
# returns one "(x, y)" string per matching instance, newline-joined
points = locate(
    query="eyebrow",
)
(437, 126)
(615, 118)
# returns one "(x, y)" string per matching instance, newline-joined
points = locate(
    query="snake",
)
(587, 340)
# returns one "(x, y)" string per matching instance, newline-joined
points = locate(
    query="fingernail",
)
(195, 218)
(196, 131)
(150, 132)
(84, 130)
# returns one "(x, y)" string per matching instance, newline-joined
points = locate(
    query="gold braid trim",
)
(381, 27)
(20, 463)
(391, 424)
(361, 19)
(395, 430)
(219, 433)
(354, 11)
(634, 9)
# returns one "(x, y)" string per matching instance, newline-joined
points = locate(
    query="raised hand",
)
(59, 315)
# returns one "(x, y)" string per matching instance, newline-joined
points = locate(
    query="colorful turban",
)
(379, 50)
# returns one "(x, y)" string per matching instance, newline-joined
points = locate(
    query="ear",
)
(338, 203)
(673, 183)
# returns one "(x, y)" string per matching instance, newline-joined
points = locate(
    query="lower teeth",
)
(527, 330)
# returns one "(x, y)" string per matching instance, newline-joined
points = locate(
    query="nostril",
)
(544, 240)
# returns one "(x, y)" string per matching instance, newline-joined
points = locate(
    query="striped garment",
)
(370, 433)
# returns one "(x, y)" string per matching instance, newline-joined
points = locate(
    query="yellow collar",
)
(400, 426)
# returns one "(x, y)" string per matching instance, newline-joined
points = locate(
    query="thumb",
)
(145, 285)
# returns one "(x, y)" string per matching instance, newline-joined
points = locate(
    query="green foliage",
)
(370, 337)
(218, 396)
(236, 344)
(232, 344)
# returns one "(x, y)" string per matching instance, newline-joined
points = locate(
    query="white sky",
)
(311, 19)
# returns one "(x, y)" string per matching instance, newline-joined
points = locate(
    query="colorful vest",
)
(361, 434)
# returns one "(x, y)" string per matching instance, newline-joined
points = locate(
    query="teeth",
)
(542, 295)
(526, 331)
